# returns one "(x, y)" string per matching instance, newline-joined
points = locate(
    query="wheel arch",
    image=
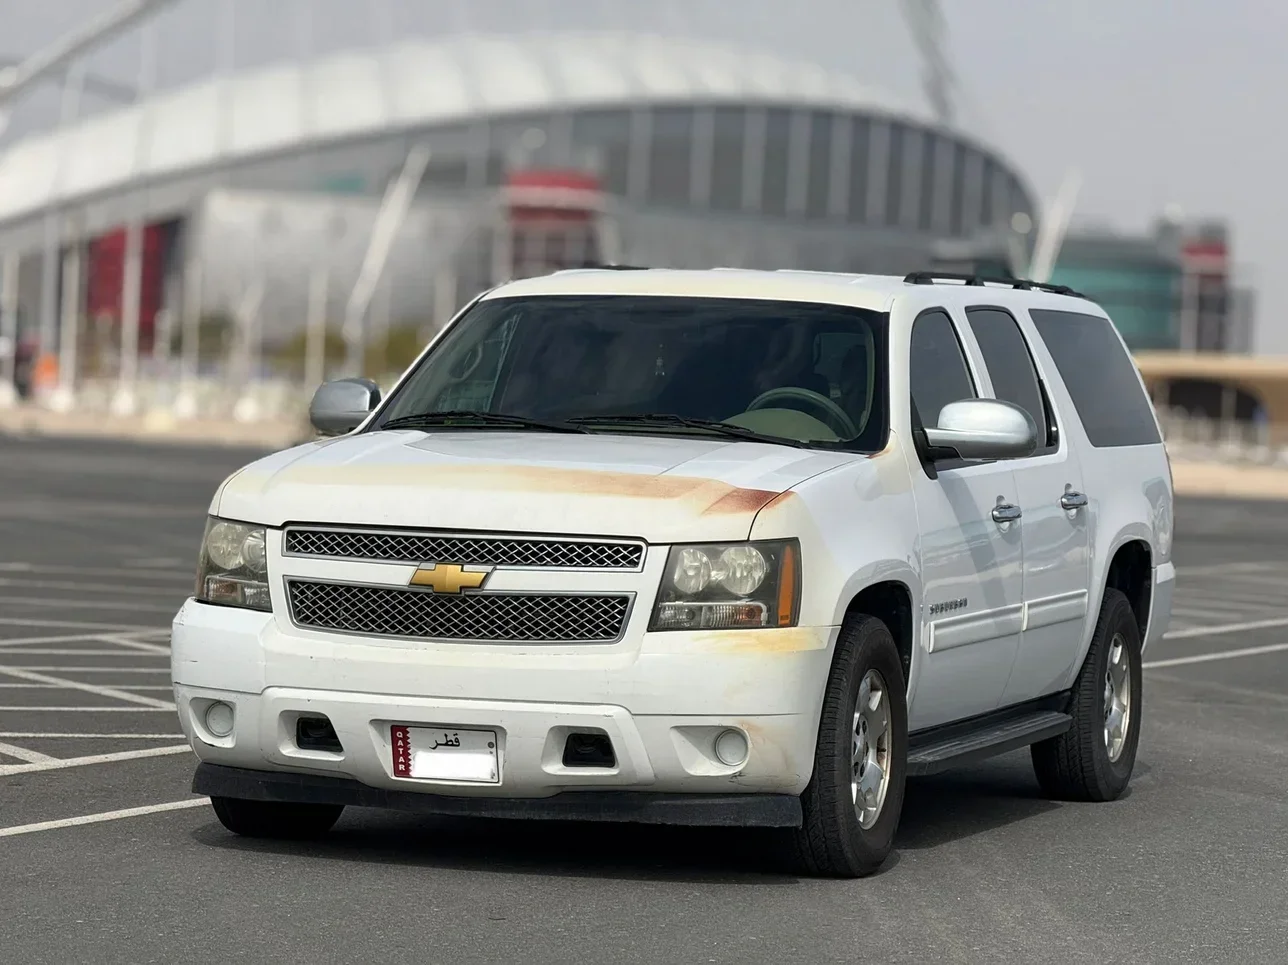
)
(892, 602)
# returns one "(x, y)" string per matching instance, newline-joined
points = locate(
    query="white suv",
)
(705, 548)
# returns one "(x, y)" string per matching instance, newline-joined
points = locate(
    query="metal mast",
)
(929, 33)
(57, 55)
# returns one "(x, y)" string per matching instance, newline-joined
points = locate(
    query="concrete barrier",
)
(1230, 478)
(161, 427)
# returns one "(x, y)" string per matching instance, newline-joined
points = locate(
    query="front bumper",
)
(661, 699)
(710, 810)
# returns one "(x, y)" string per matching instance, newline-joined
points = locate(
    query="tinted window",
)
(1010, 365)
(937, 368)
(556, 358)
(1100, 376)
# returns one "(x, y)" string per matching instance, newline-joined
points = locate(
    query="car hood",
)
(660, 489)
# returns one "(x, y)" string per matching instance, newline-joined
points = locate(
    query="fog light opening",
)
(731, 748)
(219, 718)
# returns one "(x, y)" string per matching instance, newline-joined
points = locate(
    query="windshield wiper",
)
(471, 419)
(670, 420)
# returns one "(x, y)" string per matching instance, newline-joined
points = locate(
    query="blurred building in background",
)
(249, 201)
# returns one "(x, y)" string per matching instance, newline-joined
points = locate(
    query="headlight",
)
(729, 585)
(233, 569)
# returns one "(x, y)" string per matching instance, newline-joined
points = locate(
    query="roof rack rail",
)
(599, 267)
(1019, 284)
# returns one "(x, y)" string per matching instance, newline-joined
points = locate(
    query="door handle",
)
(1006, 513)
(1072, 500)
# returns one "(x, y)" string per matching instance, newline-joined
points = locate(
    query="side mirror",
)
(984, 429)
(341, 406)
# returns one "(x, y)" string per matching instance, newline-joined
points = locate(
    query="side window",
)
(1010, 365)
(1100, 376)
(937, 373)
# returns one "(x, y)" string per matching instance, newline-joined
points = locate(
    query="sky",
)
(1154, 102)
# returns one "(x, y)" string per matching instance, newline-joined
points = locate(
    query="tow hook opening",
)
(316, 734)
(589, 750)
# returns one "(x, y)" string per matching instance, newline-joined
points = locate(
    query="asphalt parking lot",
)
(105, 856)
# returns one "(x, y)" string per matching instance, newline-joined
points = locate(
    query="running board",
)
(941, 748)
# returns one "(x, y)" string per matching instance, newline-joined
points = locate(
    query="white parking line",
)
(56, 764)
(112, 692)
(36, 735)
(103, 816)
(139, 645)
(90, 710)
(1216, 569)
(168, 574)
(1219, 655)
(78, 625)
(87, 652)
(127, 589)
(64, 669)
(52, 604)
(31, 757)
(1222, 628)
(60, 638)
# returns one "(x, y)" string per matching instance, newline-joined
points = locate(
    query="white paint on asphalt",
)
(112, 692)
(1219, 569)
(128, 589)
(1211, 631)
(75, 624)
(59, 764)
(103, 816)
(54, 652)
(62, 604)
(60, 668)
(23, 754)
(92, 710)
(35, 735)
(60, 638)
(1219, 655)
(133, 687)
(157, 648)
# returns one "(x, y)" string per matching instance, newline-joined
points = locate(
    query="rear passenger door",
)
(1054, 524)
(970, 562)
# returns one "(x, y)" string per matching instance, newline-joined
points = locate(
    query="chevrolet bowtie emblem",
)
(450, 577)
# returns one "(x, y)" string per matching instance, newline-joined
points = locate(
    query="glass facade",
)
(778, 162)
(1141, 298)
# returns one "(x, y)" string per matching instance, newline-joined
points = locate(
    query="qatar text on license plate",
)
(445, 754)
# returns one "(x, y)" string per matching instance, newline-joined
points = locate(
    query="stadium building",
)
(253, 192)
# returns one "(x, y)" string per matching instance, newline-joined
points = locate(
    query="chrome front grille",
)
(477, 617)
(413, 547)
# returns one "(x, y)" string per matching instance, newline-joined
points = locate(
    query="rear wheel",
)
(1093, 760)
(275, 819)
(852, 804)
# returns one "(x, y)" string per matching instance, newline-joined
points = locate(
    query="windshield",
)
(662, 365)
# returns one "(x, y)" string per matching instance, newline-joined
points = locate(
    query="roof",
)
(873, 292)
(412, 84)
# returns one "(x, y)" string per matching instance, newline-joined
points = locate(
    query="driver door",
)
(971, 563)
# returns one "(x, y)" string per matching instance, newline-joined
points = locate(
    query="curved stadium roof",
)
(416, 84)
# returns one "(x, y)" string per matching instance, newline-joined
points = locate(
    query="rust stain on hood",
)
(702, 496)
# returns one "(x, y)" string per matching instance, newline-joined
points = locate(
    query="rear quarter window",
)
(1100, 376)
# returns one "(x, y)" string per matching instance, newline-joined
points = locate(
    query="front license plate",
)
(445, 754)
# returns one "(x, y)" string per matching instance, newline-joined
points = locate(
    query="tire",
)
(1079, 765)
(833, 841)
(275, 819)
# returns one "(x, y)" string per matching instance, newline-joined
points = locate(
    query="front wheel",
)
(1093, 759)
(275, 819)
(853, 802)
